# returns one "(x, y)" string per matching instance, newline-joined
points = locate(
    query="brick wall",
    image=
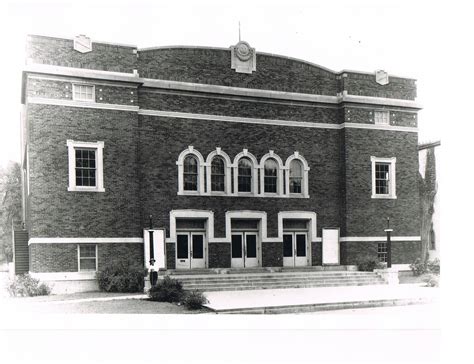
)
(359, 252)
(212, 66)
(56, 212)
(64, 258)
(316, 253)
(170, 256)
(62, 90)
(366, 116)
(219, 255)
(272, 254)
(60, 52)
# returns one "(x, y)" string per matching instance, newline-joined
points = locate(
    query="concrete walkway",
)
(307, 299)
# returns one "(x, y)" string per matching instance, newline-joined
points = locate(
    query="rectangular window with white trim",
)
(85, 166)
(87, 255)
(382, 252)
(383, 177)
(81, 92)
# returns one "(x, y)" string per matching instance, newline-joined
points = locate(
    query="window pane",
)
(190, 173)
(88, 264)
(182, 247)
(85, 167)
(287, 245)
(382, 178)
(218, 174)
(251, 241)
(236, 246)
(198, 246)
(300, 245)
(245, 175)
(87, 251)
(296, 176)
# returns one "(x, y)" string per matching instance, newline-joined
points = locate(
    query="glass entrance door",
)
(190, 251)
(295, 249)
(244, 250)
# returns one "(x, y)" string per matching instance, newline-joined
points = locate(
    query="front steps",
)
(260, 278)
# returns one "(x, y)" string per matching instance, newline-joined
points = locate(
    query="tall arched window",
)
(190, 173)
(296, 176)
(218, 174)
(271, 176)
(245, 175)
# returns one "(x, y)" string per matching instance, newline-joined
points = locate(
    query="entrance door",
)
(190, 251)
(244, 250)
(294, 249)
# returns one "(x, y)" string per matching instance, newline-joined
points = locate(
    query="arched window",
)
(296, 176)
(190, 173)
(245, 175)
(218, 174)
(271, 176)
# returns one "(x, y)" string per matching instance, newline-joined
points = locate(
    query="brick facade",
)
(145, 126)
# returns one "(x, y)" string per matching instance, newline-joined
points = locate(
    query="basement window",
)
(87, 255)
(382, 252)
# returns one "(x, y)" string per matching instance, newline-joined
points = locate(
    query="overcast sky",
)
(404, 38)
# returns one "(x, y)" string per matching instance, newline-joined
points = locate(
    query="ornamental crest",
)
(243, 58)
(82, 43)
(381, 77)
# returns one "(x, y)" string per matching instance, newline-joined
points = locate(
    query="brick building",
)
(245, 159)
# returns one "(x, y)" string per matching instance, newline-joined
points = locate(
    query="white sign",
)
(159, 248)
(331, 246)
(82, 44)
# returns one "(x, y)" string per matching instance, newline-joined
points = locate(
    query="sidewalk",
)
(315, 299)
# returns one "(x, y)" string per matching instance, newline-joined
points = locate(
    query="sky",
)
(396, 36)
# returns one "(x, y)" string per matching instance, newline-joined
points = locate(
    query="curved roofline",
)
(272, 55)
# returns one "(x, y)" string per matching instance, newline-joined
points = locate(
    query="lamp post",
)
(389, 244)
(153, 273)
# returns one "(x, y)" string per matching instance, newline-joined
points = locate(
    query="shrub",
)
(370, 265)
(418, 267)
(167, 290)
(121, 276)
(194, 300)
(25, 285)
(433, 266)
(432, 281)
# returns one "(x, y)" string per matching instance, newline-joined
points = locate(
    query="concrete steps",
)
(276, 280)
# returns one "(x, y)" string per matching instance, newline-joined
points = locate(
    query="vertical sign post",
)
(153, 272)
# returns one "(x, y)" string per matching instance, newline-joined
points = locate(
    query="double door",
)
(295, 249)
(244, 250)
(190, 250)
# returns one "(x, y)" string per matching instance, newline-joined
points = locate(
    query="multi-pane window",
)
(382, 252)
(190, 173)
(296, 176)
(270, 176)
(382, 178)
(85, 167)
(382, 117)
(87, 257)
(245, 175)
(83, 92)
(218, 174)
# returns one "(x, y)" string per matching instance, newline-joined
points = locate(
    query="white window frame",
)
(79, 259)
(305, 186)
(383, 117)
(274, 156)
(99, 147)
(201, 165)
(227, 170)
(75, 85)
(254, 187)
(392, 177)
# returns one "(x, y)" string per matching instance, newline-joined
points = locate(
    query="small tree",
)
(10, 206)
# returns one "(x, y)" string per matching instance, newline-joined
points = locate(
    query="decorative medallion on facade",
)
(381, 77)
(82, 43)
(243, 58)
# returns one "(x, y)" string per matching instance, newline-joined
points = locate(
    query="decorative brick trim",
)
(379, 238)
(85, 241)
(81, 104)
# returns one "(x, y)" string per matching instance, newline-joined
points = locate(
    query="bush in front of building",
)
(432, 281)
(194, 300)
(419, 267)
(24, 285)
(370, 265)
(167, 290)
(432, 266)
(121, 276)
